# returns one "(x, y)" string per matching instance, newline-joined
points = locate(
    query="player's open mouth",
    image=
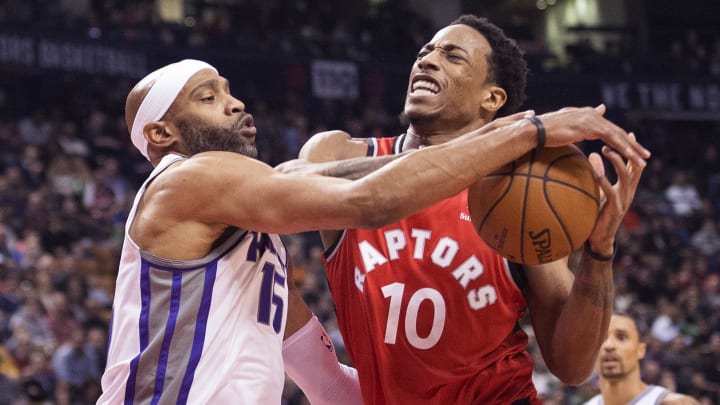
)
(424, 86)
(247, 121)
(246, 126)
(609, 360)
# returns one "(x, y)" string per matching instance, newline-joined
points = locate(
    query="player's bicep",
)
(329, 146)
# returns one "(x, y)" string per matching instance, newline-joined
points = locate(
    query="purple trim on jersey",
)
(183, 266)
(143, 328)
(200, 327)
(110, 329)
(169, 331)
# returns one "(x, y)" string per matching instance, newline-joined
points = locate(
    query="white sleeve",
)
(311, 362)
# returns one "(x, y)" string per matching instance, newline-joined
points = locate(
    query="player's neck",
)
(415, 140)
(418, 136)
(620, 392)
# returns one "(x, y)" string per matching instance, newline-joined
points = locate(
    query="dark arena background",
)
(68, 171)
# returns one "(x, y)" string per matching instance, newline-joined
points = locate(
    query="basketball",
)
(538, 208)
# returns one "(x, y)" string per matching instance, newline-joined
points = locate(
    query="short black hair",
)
(641, 328)
(507, 64)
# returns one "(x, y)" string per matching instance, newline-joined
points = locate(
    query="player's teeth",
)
(426, 84)
(423, 92)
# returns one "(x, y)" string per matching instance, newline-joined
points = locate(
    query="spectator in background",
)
(33, 166)
(8, 368)
(31, 317)
(706, 239)
(76, 367)
(60, 319)
(36, 129)
(69, 140)
(665, 327)
(38, 378)
(683, 195)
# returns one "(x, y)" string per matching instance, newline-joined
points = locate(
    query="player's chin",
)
(420, 110)
(246, 149)
(425, 100)
(611, 372)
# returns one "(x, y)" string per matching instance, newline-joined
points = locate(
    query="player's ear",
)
(159, 133)
(494, 97)
(641, 349)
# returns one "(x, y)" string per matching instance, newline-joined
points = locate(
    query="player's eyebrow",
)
(621, 332)
(213, 84)
(447, 47)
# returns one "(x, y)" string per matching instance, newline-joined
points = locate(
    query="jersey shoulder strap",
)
(385, 146)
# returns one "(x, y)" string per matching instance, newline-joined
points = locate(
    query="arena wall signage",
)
(664, 97)
(44, 53)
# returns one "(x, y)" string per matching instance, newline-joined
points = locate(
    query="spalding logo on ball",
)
(539, 208)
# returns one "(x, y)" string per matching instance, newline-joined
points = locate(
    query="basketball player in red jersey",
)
(428, 313)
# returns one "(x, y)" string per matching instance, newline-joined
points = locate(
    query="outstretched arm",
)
(337, 154)
(571, 313)
(254, 196)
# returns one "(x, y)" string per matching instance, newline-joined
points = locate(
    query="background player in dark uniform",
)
(427, 311)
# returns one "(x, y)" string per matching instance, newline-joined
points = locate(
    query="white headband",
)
(169, 80)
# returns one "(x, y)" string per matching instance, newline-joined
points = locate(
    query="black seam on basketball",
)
(576, 188)
(570, 185)
(497, 201)
(524, 205)
(557, 216)
(545, 180)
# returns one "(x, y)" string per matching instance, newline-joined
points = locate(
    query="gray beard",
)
(200, 139)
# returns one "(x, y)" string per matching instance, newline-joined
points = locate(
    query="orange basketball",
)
(538, 208)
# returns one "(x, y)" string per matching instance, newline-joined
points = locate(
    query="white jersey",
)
(205, 331)
(652, 395)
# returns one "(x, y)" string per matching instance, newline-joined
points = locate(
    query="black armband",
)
(597, 256)
(540, 129)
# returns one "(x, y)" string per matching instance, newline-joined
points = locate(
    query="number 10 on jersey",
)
(396, 293)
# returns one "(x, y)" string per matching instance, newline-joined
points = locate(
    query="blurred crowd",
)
(390, 31)
(68, 175)
(313, 28)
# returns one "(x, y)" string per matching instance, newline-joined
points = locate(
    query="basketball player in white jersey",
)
(201, 299)
(619, 370)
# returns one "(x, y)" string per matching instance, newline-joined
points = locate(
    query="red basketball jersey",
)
(428, 312)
